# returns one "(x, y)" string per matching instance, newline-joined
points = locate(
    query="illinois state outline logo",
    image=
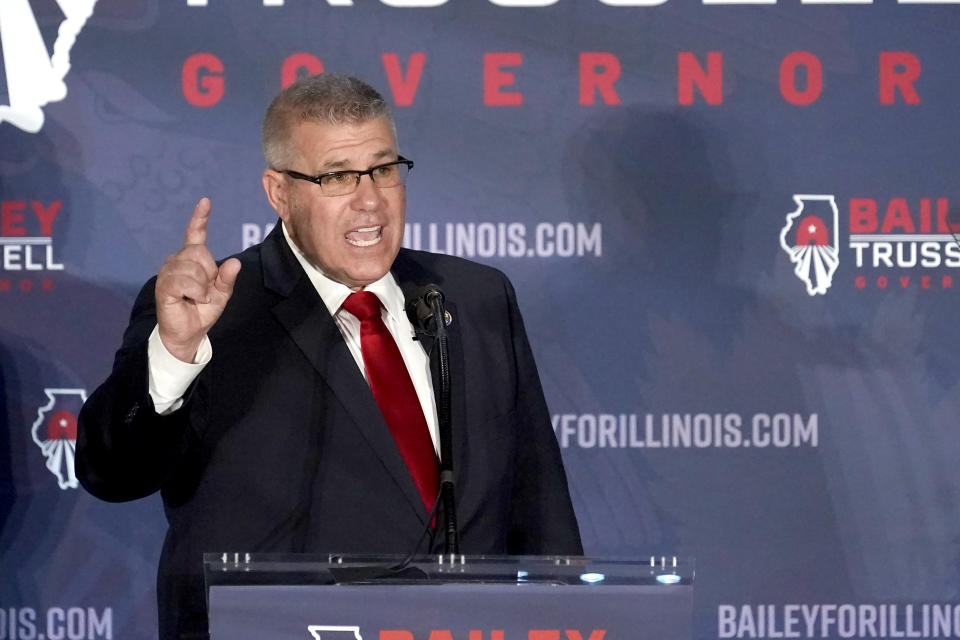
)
(34, 78)
(55, 432)
(811, 238)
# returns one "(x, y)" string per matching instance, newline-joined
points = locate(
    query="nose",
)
(368, 196)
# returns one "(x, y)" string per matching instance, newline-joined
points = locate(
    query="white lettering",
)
(882, 253)
(56, 618)
(809, 617)
(76, 620)
(847, 621)
(828, 618)
(608, 430)
(587, 431)
(252, 234)
(941, 620)
(790, 621)
(746, 625)
(867, 627)
(726, 621)
(11, 257)
(100, 626)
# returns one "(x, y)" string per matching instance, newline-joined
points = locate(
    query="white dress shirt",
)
(169, 377)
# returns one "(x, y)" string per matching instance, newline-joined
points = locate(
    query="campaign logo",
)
(55, 432)
(334, 632)
(811, 239)
(34, 78)
(26, 244)
(893, 242)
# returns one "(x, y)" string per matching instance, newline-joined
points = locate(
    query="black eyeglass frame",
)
(317, 180)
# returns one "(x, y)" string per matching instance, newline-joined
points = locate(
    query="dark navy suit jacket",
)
(280, 446)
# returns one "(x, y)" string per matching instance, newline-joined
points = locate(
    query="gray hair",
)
(331, 98)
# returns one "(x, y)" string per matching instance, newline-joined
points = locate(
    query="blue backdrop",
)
(729, 225)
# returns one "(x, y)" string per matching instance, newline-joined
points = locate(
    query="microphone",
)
(428, 316)
(422, 310)
(432, 291)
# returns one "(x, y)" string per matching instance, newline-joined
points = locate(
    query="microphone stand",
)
(447, 493)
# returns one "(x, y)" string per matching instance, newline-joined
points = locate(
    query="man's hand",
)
(191, 291)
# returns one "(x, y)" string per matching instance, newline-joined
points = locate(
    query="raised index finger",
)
(197, 227)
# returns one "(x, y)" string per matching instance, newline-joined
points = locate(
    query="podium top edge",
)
(248, 558)
(338, 568)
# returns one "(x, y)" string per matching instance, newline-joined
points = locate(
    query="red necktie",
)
(395, 395)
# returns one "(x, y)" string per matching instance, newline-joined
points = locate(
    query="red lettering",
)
(440, 634)
(478, 635)
(898, 215)
(864, 219)
(598, 72)
(788, 77)
(544, 634)
(898, 71)
(596, 634)
(395, 634)
(203, 90)
(46, 216)
(925, 215)
(9, 218)
(47, 284)
(882, 282)
(404, 89)
(494, 78)
(290, 70)
(690, 74)
(25, 285)
(863, 215)
(943, 223)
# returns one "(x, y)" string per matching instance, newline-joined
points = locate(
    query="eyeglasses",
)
(342, 183)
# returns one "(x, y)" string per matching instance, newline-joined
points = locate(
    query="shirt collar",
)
(333, 293)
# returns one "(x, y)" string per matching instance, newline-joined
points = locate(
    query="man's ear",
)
(275, 186)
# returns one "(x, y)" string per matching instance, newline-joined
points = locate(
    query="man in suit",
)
(246, 393)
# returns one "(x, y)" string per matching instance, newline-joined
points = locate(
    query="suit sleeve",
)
(125, 450)
(542, 519)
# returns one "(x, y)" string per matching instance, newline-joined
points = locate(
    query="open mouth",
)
(365, 237)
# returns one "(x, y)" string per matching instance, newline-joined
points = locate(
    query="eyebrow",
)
(339, 165)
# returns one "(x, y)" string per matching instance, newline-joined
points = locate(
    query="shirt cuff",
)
(169, 377)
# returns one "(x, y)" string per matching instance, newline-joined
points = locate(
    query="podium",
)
(341, 597)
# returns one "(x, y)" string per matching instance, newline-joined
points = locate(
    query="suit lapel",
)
(305, 318)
